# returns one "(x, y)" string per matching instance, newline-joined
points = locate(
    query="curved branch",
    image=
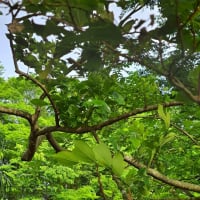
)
(16, 112)
(157, 175)
(181, 86)
(85, 129)
(18, 71)
(53, 142)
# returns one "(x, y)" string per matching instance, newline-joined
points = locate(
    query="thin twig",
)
(129, 15)
(185, 133)
(100, 183)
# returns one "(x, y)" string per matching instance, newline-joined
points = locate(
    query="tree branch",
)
(181, 86)
(129, 15)
(157, 175)
(42, 87)
(85, 129)
(53, 142)
(185, 133)
(16, 112)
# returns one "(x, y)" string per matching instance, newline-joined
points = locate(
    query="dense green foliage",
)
(115, 96)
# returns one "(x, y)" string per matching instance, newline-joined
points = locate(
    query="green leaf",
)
(103, 155)
(102, 31)
(84, 4)
(65, 45)
(66, 158)
(30, 61)
(39, 102)
(118, 98)
(83, 151)
(118, 164)
(98, 104)
(168, 138)
(161, 112)
(163, 116)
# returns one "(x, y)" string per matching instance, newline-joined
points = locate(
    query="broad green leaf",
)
(39, 102)
(66, 158)
(103, 155)
(102, 31)
(83, 151)
(118, 164)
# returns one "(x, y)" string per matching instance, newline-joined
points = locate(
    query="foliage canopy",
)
(116, 95)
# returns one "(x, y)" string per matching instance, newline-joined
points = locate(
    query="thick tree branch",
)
(181, 86)
(157, 175)
(53, 142)
(85, 129)
(16, 112)
(34, 140)
(32, 146)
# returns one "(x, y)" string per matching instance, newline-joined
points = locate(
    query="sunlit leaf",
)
(66, 158)
(103, 154)
(118, 164)
(83, 151)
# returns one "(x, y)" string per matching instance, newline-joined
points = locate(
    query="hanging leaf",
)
(66, 158)
(163, 116)
(118, 164)
(161, 112)
(103, 154)
(84, 152)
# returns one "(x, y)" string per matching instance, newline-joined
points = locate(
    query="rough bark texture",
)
(157, 175)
